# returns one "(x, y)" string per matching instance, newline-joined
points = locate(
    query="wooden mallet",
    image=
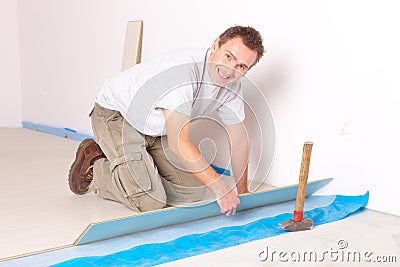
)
(298, 223)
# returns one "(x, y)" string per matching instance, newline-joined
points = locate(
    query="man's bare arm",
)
(239, 147)
(178, 126)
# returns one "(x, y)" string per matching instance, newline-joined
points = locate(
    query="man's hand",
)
(228, 203)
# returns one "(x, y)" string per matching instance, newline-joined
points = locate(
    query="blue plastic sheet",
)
(195, 244)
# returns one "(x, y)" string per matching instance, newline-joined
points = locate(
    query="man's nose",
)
(229, 69)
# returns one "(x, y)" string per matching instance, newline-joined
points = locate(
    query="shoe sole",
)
(78, 157)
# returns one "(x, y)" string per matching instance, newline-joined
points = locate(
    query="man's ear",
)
(215, 45)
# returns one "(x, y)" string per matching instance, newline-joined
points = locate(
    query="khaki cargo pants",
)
(140, 171)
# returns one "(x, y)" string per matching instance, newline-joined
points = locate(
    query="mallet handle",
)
(301, 192)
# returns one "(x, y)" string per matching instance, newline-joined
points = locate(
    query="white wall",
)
(330, 74)
(10, 87)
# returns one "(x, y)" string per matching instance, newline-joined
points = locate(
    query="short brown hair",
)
(250, 37)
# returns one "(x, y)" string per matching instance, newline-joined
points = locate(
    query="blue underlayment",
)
(164, 234)
(199, 243)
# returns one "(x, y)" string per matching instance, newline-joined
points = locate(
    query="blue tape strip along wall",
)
(74, 135)
(196, 244)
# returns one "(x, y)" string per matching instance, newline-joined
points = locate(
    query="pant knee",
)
(150, 201)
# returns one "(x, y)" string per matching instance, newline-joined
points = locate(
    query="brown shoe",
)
(81, 172)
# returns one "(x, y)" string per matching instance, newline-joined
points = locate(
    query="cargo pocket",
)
(131, 175)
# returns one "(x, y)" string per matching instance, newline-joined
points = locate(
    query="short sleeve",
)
(177, 99)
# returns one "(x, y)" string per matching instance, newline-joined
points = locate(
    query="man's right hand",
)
(228, 203)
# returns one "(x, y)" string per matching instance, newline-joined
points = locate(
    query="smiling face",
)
(230, 62)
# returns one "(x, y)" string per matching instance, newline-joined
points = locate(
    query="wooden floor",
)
(38, 211)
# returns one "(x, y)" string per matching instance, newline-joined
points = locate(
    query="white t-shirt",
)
(177, 81)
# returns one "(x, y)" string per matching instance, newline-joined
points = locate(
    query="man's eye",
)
(228, 56)
(242, 67)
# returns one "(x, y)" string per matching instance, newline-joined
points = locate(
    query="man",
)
(141, 120)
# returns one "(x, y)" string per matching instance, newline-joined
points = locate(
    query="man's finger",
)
(234, 211)
(231, 212)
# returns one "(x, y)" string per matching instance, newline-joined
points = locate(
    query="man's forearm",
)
(240, 170)
(240, 148)
(242, 183)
